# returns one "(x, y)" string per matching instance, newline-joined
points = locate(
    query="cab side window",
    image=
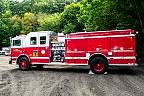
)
(33, 41)
(16, 42)
(42, 40)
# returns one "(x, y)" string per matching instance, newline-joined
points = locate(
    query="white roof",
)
(19, 37)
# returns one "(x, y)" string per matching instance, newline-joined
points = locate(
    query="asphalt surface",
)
(69, 81)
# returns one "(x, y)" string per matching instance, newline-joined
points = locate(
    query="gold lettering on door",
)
(35, 53)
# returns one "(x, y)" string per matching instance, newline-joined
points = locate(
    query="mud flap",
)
(10, 62)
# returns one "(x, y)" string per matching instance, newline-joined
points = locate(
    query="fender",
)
(21, 55)
(97, 55)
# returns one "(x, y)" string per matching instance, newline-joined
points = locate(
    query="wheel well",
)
(96, 55)
(21, 57)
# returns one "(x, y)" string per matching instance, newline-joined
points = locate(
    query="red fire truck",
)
(99, 50)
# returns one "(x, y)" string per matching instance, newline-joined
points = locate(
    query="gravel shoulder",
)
(69, 81)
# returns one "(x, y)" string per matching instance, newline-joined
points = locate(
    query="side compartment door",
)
(117, 50)
(123, 49)
(129, 50)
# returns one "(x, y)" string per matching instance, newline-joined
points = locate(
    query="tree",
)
(49, 22)
(4, 6)
(28, 23)
(96, 15)
(132, 13)
(16, 25)
(29, 15)
(5, 27)
(69, 21)
(50, 6)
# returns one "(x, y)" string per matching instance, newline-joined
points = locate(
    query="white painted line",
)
(39, 57)
(76, 58)
(57, 63)
(130, 35)
(131, 57)
(121, 57)
(123, 50)
(124, 64)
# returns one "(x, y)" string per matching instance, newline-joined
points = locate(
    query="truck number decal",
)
(35, 53)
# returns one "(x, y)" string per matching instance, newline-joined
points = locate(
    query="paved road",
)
(69, 81)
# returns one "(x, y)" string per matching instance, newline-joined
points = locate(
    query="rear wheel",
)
(98, 65)
(24, 63)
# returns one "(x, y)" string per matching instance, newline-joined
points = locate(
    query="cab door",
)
(44, 48)
(16, 47)
(37, 47)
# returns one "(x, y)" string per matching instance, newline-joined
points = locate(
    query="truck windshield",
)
(16, 42)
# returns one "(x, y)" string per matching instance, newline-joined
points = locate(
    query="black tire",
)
(24, 63)
(40, 66)
(98, 65)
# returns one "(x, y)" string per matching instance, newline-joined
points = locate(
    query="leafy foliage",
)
(49, 22)
(5, 27)
(71, 16)
(28, 23)
(29, 15)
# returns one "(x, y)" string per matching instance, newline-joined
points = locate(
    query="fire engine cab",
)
(99, 49)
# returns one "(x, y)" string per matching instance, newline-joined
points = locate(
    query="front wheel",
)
(24, 63)
(98, 65)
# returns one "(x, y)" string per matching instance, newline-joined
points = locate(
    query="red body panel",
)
(121, 43)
